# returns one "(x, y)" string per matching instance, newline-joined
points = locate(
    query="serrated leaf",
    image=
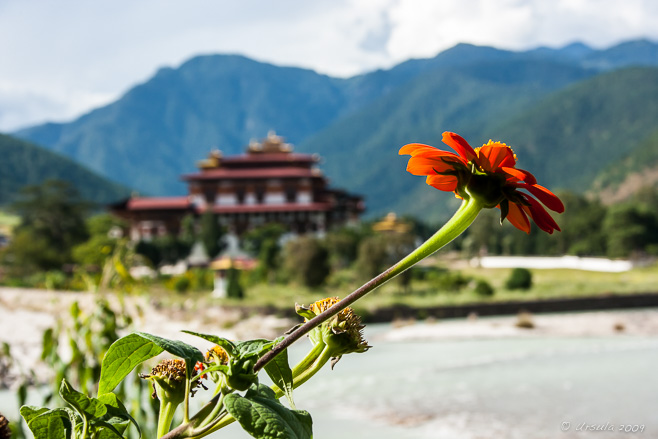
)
(279, 371)
(262, 416)
(89, 408)
(49, 424)
(122, 357)
(226, 344)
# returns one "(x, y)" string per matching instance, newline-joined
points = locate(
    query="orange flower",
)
(488, 173)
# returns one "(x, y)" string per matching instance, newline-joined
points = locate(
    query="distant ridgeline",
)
(24, 164)
(570, 114)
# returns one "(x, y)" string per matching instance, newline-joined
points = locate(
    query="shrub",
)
(519, 279)
(55, 280)
(181, 283)
(483, 288)
(448, 281)
(343, 246)
(372, 257)
(234, 288)
(307, 261)
(201, 279)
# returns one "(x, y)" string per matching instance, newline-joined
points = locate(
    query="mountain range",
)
(572, 114)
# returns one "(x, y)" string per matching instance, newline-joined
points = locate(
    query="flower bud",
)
(168, 379)
(5, 431)
(343, 333)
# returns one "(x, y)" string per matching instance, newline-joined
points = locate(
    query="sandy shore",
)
(26, 313)
(641, 322)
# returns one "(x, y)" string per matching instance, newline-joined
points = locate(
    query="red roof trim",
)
(224, 173)
(270, 157)
(266, 208)
(159, 203)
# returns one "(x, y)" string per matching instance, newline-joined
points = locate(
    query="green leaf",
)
(262, 416)
(183, 350)
(29, 412)
(117, 415)
(216, 368)
(254, 347)
(279, 371)
(48, 424)
(89, 408)
(130, 351)
(228, 345)
(122, 357)
(105, 430)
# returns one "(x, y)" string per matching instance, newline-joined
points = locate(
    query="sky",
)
(60, 59)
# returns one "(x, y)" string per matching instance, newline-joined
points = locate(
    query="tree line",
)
(57, 232)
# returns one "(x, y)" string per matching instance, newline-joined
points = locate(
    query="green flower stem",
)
(186, 404)
(459, 222)
(84, 427)
(166, 415)
(310, 368)
(223, 422)
(308, 359)
(218, 407)
(306, 374)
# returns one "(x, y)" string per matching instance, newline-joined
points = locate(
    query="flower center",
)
(492, 143)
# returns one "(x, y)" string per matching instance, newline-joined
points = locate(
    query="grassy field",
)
(7, 222)
(560, 283)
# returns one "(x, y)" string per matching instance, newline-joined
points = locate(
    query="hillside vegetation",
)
(24, 163)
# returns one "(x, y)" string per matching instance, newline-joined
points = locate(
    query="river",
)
(481, 388)
(526, 388)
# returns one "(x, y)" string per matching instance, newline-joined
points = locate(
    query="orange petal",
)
(542, 218)
(494, 156)
(547, 197)
(416, 148)
(518, 218)
(427, 166)
(456, 142)
(446, 183)
(520, 174)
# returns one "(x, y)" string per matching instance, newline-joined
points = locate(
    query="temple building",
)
(269, 183)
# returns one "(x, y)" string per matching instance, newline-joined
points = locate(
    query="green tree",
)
(188, 233)
(211, 233)
(582, 233)
(254, 239)
(52, 223)
(163, 250)
(343, 245)
(100, 245)
(307, 261)
(264, 242)
(373, 257)
(234, 288)
(629, 228)
(380, 251)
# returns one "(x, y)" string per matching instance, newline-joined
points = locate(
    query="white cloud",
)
(62, 58)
